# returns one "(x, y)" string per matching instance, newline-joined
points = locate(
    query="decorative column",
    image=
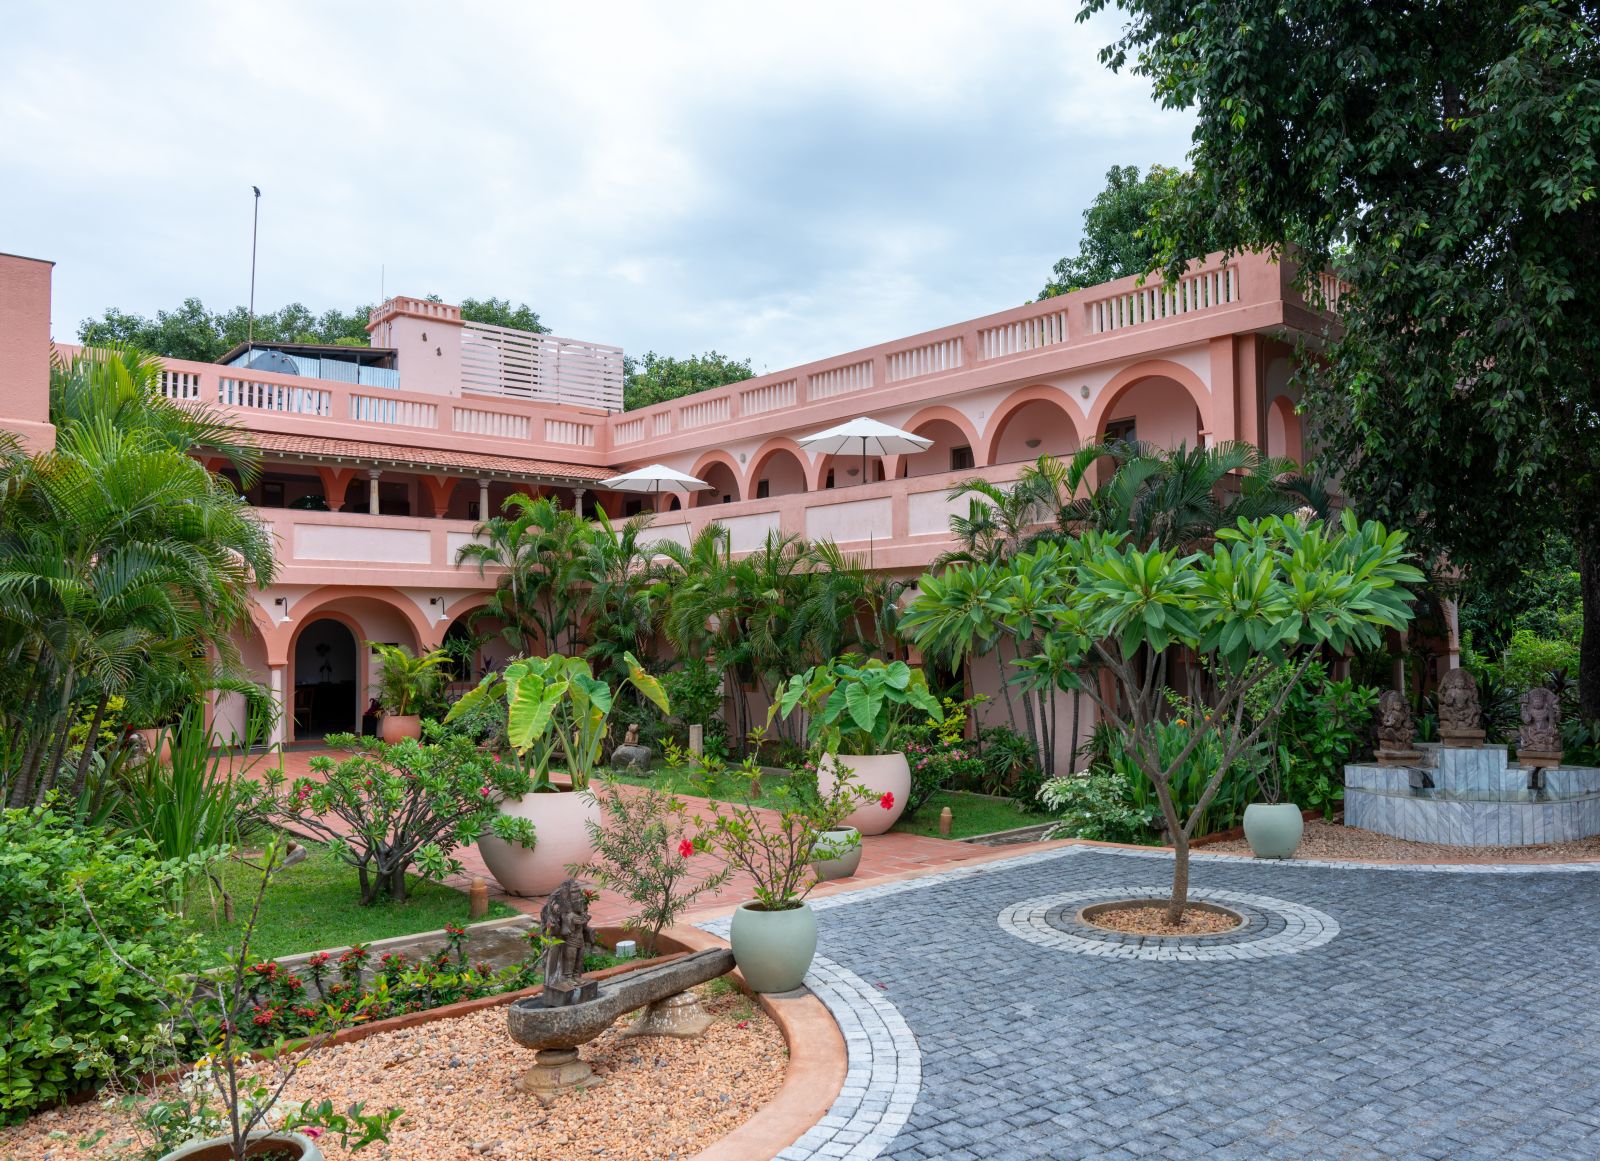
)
(373, 475)
(280, 724)
(483, 500)
(577, 500)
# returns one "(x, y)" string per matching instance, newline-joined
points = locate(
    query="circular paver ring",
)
(1289, 928)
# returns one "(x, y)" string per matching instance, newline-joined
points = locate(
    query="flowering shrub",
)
(389, 809)
(940, 757)
(642, 850)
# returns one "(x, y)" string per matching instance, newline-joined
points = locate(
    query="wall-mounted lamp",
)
(1032, 443)
(438, 604)
(1084, 390)
(282, 605)
(852, 471)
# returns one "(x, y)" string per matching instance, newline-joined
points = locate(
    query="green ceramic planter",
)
(774, 949)
(1273, 829)
(837, 853)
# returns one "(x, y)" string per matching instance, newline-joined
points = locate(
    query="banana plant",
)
(556, 708)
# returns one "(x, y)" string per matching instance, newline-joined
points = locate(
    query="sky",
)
(778, 182)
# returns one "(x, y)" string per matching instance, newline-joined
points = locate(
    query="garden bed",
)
(315, 903)
(971, 815)
(456, 1080)
(1328, 840)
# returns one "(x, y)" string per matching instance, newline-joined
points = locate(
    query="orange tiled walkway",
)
(883, 858)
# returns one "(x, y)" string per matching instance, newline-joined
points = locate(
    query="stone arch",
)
(787, 465)
(718, 469)
(1056, 419)
(1126, 382)
(949, 429)
(1282, 435)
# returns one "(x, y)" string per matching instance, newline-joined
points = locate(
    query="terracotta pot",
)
(773, 949)
(561, 837)
(262, 1144)
(840, 851)
(880, 773)
(158, 744)
(393, 727)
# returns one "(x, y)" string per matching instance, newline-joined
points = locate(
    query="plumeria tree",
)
(1271, 594)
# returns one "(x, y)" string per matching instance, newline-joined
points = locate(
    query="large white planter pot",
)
(1273, 829)
(773, 949)
(560, 838)
(261, 1143)
(880, 773)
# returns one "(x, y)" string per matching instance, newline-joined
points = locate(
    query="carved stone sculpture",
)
(1396, 730)
(1539, 743)
(564, 918)
(631, 755)
(1458, 710)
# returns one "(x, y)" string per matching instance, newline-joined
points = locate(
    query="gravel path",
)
(659, 1098)
(1326, 840)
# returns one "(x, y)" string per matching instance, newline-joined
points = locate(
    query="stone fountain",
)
(572, 1009)
(1462, 792)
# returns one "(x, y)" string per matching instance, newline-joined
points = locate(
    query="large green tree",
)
(190, 331)
(658, 378)
(1442, 158)
(1120, 234)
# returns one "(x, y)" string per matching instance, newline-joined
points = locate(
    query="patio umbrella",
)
(865, 437)
(656, 479)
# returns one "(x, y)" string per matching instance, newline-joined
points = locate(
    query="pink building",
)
(380, 461)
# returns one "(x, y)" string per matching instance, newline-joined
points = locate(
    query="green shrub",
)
(1531, 659)
(1100, 806)
(76, 1011)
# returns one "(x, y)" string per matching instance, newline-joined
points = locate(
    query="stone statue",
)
(1458, 709)
(564, 918)
(631, 755)
(1539, 743)
(1396, 731)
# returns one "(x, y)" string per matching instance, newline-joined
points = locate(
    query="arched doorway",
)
(777, 472)
(953, 449)
(1283, 430)
(1034, 427)
(724, 486)
(327, 685)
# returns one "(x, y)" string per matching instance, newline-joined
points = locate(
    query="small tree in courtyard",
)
(1272, 593)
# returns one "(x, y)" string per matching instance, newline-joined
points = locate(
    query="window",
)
(828, 483)
(961, 458)
(1121, 431)
(272, 493)
(632, 508)
(763, 489)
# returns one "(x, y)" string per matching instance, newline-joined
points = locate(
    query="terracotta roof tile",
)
(426, 458)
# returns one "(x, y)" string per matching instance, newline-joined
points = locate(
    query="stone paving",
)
(1445, 1016)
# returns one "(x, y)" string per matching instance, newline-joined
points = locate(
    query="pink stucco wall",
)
(25, 350)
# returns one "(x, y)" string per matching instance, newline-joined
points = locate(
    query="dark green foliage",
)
(192, 332)
(1102, 805)
(1120, 235)
(75, 1012)
(1443, 159)
(658, 378)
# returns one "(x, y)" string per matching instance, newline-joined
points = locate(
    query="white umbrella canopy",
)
(655, 479)
(865, 437)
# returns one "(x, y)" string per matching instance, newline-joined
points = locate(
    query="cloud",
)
(783, 183)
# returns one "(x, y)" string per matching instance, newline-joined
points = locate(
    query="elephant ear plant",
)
(556, 709)
(861, 707)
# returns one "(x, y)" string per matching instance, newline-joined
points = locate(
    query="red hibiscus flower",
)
(887, 801)
(685, 848)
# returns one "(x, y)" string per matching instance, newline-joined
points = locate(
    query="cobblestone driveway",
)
(1453, 1016)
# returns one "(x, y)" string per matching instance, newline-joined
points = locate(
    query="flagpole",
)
(255, 223)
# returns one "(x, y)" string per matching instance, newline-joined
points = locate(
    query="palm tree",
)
(621, 603)
(537, 546)
(124, 566)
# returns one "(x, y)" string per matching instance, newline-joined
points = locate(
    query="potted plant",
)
(228, 1104)
(556, 711)
(1271, 826)
(836, 853)
(774, 935)
(859, 712)
(406, 682)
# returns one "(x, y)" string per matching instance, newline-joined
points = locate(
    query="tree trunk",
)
(1077, 705)
(1180, 877)
(1589, 650)
(397, 884)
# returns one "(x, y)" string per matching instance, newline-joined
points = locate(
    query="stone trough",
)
(556, 1031)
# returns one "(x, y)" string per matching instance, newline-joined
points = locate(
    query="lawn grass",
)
(725, 786)
(970, 814)
(317, 903)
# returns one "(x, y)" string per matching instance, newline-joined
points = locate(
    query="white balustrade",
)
(502, 424)
(1027, 334)
(768, 397)
(180, 384)
(1147, 304)
(840, 380)
(704, 413)
(569, 433)
(393, 412)
(928, 359)
(255, 395)
(628, 431)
